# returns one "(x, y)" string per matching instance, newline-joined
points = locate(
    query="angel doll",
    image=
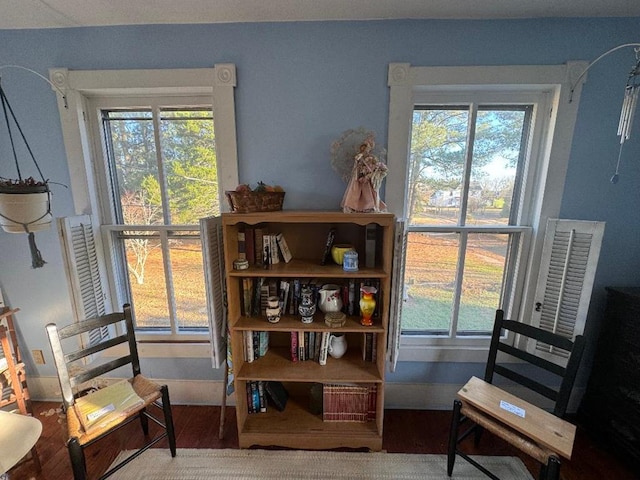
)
(362, 194)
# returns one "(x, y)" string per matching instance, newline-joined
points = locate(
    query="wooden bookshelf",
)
(306, 232)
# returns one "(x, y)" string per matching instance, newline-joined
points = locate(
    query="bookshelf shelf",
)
(299, 425)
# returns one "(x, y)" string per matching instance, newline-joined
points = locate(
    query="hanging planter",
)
(25, 204)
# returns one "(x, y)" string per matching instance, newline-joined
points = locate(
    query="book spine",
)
(250, 398)
(250, 248)
(284, 248)
(327, 247)
(262, 397)
(294, 346)
(258, 234)
(370, 245)
(255, 337)
(248, 341)
(273, 246)
(301, 356)
(324, 348)
(242, 246)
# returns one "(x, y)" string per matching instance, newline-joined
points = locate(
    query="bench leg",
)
(453, 436)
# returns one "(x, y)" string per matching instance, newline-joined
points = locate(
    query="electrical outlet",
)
(38, 357)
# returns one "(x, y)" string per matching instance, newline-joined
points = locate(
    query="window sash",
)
(548, 86)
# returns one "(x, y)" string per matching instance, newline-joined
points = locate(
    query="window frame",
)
(409, 86)
(86, 169)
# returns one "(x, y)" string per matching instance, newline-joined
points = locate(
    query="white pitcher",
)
(337, 345)
(330, 298)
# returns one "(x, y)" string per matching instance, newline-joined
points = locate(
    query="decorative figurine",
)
(307, 305)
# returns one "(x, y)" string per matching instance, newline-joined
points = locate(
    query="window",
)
(161, 164)
(463, 194)
(156, 148)
(476, 166)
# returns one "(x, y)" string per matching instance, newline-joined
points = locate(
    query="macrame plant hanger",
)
(36, 257)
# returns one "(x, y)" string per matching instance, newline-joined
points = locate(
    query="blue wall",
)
(300, 85)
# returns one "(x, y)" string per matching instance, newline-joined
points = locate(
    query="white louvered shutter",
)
(567, 269)
(397, 295)
(85, 272)
(213, 257)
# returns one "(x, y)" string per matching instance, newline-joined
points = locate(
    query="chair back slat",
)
(90, 324)
(85, 352)
(560, 391)
(534, 385)
(92, 373)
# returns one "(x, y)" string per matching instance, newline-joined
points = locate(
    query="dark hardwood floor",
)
(405, 431)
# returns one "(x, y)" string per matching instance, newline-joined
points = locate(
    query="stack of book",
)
(349, 402)
(256, 345)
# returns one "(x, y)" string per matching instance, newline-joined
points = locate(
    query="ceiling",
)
(17, 14)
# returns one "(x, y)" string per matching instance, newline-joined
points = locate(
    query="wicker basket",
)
(249, 202)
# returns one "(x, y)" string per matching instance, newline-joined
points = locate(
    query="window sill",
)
(425, 349)
(151, 349)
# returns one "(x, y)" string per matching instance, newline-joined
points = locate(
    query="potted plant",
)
(25, 205)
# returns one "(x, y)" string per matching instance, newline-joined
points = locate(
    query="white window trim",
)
(79, 86)
(406, 83)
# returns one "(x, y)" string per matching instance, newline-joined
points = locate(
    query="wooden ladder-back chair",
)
(542, 435)
(92, 417)
(13, 378)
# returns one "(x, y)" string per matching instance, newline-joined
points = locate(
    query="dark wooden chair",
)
(541, 434)
(75, 378)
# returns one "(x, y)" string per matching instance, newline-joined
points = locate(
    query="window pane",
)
(188, 151)
(436, 165)
(188, 282)
(147, 280)
(430, 274)
(484, 268)
(498, 146)
(131, 146)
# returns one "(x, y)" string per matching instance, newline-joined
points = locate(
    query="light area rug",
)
(232, 464)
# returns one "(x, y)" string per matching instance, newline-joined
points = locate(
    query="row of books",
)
(255, 292)
(310, 345)
(260, 247)
(349, 402)
(261, 393)
(256, 344)
(370, 347)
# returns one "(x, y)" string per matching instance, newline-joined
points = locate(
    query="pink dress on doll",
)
(362, 193)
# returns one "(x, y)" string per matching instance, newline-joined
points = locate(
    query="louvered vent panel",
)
(567, 270)
(88, 282)
(213, 257)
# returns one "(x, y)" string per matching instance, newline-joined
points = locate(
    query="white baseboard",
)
(407, 396)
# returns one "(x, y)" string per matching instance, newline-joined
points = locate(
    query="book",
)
(301, 347)
(263, 343)
(255, 397)
(294, 346)
(256, 301)
(242, 245)
(247, 294)
(284, 248)
(250, 245)
(371, 234)
(327, 247)
(273, 248)
(262, 397)
(268, 252)
(258, 234)
(107, 404)
(324, 348)
(248, 342)
(276, 394)
(345, 402)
